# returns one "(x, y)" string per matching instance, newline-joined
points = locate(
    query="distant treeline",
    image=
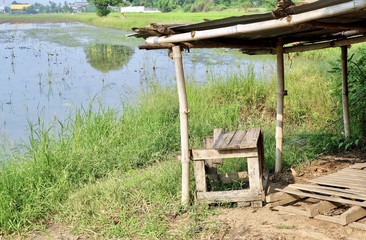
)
(53, 7)
(200, 5)
(106, 6)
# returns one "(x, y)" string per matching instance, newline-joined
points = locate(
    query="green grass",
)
(90, 165)
(114, 20)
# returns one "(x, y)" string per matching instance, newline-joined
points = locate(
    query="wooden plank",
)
(311, 211)
(218, 132)
(256, 204)
(260, 149)
(351, 182)
(349, 173)
(200, 154)
(237, 139)
(353, 189)
(358, 166)
(317, 196)
(265, 181)
(251, 138)
(328, 191)
(321, 207)
(200, 176)
(357, 225)
(255, 179)
(333, 219)
(224, 140)
(211, 165)
(240, 140)
(345, 183)
(281, 198)
(229, 196)
(349, 176)
(345, 180)
(352, 214)
(335, 189)
(292, 210)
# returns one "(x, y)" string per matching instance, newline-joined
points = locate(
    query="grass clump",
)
(106, 206)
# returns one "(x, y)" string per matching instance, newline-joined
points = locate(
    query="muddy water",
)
(49, 70)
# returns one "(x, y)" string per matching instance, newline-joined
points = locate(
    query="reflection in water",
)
(107, 57)
(46, 72)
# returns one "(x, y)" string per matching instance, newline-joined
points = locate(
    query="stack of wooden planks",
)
(344, 191)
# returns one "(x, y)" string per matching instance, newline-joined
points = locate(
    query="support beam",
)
(183, 115)
(346, 121)
(280, 103)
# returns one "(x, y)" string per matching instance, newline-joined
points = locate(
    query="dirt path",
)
(264, 223)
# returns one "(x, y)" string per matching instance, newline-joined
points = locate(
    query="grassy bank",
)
(114, 20)
(93, 173)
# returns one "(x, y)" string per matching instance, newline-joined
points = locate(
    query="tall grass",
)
(93, 144)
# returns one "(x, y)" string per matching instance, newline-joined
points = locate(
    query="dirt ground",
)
(264, 223)
(261, 223)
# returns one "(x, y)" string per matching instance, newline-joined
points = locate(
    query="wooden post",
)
(346, 121)
(183, 114)
(280, 100)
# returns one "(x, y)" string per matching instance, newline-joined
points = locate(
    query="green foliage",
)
(103, 6)
(107, 57)
(357, 94)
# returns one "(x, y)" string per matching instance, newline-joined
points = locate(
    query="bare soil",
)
(264, 223)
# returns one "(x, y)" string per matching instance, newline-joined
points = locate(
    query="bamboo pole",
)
(346, 121)
(280, 100)
(330, 44)
(257, 27)
(183, 115)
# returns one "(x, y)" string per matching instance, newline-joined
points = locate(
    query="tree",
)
(166, 5)
(102, 6)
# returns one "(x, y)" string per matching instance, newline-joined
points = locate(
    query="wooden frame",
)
(203, 158)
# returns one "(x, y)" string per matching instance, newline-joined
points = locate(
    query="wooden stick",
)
(280, 100)
(329, 44)
(183, 110)
(345, 92)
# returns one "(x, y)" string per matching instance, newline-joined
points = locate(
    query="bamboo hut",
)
(291, 28)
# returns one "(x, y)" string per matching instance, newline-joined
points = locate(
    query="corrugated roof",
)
(315, 23)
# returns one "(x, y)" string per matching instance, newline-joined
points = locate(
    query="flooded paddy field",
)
(49, 70)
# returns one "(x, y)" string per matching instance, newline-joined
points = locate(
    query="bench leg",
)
(255, 176)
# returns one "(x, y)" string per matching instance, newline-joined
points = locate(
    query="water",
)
(49, 70)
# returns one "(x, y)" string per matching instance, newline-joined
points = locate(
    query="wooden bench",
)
(232, 144)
